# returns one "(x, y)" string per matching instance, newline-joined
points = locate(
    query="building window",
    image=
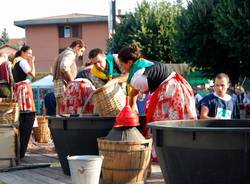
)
(69, 31)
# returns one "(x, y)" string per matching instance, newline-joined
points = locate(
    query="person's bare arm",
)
(31, 62)
(68, 76)
(204, 113)
(122, 78)
(133, 97)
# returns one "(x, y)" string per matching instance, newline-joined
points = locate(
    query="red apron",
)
(23, 94)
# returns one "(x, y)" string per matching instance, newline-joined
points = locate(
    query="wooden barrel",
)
(42, 132)
(124, 162)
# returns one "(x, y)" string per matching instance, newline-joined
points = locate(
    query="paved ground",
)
(41, 154)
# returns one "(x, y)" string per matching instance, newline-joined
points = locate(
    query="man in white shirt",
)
(65, 69)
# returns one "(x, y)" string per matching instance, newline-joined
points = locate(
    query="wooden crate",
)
(9, 152)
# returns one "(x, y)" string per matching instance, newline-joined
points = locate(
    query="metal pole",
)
(113, 23)
(114, 14)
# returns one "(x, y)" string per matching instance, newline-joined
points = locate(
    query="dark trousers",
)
(26, 121)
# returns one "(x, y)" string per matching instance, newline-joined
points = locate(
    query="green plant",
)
(151, 26)
(232, 23)
(4, 36)
(195, 40)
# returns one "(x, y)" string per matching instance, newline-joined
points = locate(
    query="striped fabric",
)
(24, 96)
(59, 88)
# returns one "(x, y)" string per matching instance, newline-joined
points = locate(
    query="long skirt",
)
(24, 96)
(77, 97)
(173, 100)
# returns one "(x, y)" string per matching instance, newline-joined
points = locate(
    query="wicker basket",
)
(9, 111)
(42, 132)
(109, 100)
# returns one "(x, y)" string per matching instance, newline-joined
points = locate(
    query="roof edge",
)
(24, 23)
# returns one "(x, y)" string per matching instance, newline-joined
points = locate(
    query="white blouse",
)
(140, 81)
(25, 66)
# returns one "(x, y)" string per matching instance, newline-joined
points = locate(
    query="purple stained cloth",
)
(4, 72)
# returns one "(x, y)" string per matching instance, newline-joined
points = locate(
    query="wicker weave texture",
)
(42, 132)
(9, 111)
(109, 100)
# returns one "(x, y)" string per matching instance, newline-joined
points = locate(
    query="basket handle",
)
(145, 145)
(88, 99)
(95, 91)
(108, 84)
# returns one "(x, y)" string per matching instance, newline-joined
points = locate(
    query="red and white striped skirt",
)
(23, 94)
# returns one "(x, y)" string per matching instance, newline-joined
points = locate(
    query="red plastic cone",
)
(127, 117)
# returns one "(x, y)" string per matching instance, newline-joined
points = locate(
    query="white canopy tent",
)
(44, 83)
(40, 89)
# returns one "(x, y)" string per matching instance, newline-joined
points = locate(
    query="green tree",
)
(213, 35)
(151, 26)
(4, 36)
(232, 21)
(1, 42)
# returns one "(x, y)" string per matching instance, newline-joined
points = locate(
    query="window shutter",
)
(61, 31)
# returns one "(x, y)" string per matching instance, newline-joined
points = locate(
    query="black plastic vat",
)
(78, 135)
(203, 151)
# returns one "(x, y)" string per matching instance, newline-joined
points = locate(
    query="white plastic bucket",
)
(85, 169)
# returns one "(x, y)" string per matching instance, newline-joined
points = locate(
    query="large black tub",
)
(203, 151)
(78, 135)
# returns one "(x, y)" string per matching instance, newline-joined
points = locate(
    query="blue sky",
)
(28, 9)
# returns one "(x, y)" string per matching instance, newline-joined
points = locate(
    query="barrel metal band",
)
(114, 169)
(108, 150)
